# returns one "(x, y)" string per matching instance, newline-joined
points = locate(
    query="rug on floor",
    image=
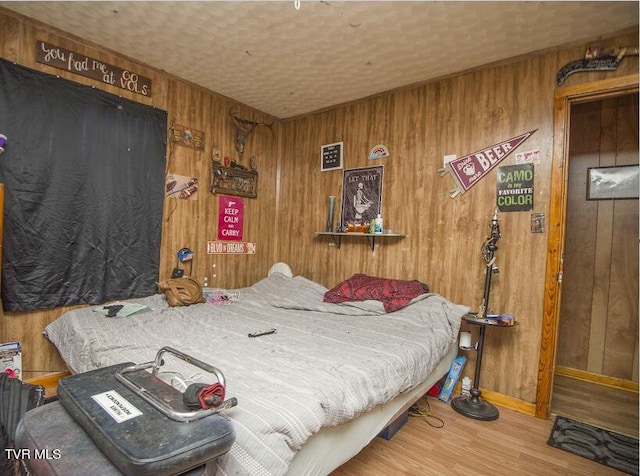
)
(602, 446)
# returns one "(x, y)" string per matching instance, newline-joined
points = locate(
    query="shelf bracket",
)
(372, 240)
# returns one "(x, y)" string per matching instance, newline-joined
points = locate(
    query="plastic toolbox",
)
(123, 419)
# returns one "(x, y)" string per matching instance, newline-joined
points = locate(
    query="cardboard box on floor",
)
(11, 359)
(452, 378)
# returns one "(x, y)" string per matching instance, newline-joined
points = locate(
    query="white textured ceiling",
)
(287, 61)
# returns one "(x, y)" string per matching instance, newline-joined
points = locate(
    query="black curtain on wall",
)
(84, 186)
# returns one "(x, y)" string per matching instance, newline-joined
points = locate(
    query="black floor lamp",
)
(473, 406)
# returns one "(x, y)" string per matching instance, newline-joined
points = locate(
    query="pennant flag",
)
(468, 170)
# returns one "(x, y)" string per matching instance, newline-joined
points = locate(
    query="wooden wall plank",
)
(600, 301)
(602, 251)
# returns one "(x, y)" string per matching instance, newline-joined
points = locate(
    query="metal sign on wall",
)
(515, 188)
(188, 136)
(235, 248)
(76, 63)
(230, 218)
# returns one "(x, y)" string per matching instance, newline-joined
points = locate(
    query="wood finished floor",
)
(514, 444)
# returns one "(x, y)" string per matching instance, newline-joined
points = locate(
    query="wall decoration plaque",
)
(88, 67)
(231, 248)
(187, 137)
(233, 181)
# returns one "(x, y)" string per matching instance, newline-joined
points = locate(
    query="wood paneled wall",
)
(189, 223)
(599, 314)
(456, 115)
(419, 125)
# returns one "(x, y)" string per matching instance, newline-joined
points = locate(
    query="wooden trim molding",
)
(597, 378)
(509, 402)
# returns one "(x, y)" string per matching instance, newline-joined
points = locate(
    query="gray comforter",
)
(327, 363)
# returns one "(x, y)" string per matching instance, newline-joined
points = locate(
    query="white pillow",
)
(281, 268)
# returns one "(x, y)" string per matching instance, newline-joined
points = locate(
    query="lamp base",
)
(475, 407)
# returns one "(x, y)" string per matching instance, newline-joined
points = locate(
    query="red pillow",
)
(393, 293)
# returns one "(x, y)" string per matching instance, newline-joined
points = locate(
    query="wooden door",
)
(598, 322)
(564, 99)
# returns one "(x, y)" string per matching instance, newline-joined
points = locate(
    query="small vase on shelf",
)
(331, 204)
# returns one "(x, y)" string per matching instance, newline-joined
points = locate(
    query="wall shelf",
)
(337, 236)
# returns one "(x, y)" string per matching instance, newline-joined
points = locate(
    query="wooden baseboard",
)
(502, 400)
(509, 402)
(597, 378)
(530, 408)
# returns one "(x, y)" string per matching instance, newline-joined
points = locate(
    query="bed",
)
(311, 395)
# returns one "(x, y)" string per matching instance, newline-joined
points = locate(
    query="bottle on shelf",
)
(378, 225)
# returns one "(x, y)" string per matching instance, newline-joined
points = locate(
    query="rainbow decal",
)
(378, 152)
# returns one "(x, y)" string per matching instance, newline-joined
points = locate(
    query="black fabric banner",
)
(84, 186)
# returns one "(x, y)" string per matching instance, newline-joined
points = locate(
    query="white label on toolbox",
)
(116, 406)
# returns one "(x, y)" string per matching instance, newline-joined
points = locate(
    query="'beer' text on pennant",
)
(468, 170)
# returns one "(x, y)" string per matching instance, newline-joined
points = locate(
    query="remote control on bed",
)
(263, 333)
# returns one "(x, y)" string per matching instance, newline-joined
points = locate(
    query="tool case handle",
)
(177, 414)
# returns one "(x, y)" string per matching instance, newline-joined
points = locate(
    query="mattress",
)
(325, 366)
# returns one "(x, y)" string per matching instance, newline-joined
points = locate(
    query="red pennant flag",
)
(468, 170)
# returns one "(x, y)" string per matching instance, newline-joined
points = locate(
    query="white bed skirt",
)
(328, 449)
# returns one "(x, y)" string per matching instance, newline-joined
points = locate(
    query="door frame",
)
(563, 99)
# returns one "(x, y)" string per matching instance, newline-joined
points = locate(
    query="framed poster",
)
(331, 156)
(608, 183)
(361, 195)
